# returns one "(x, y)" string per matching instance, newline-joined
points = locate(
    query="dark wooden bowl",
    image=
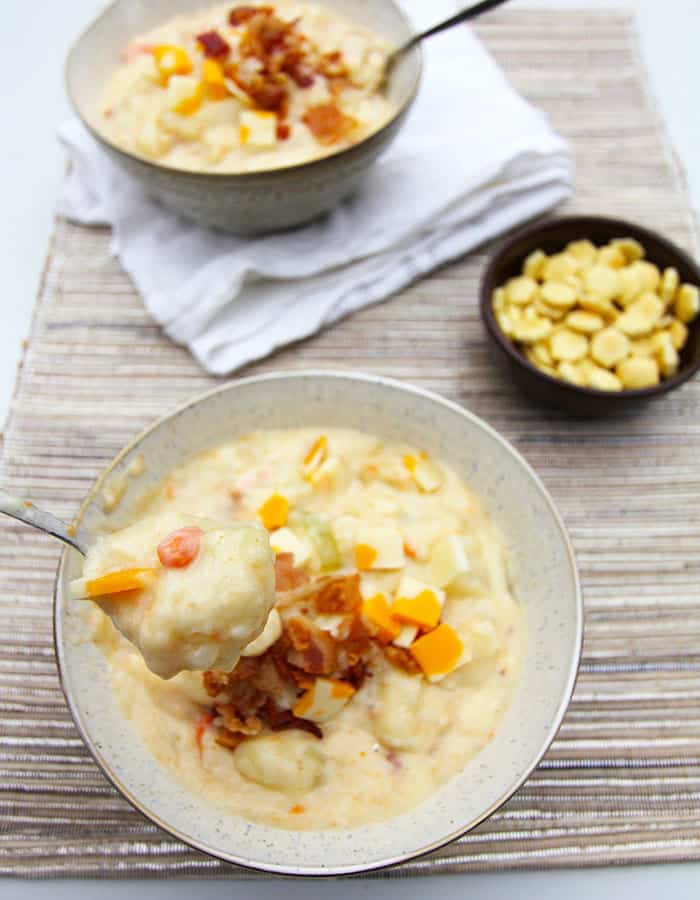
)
(551, 237)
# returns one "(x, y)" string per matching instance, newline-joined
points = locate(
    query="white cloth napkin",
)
(473, 160)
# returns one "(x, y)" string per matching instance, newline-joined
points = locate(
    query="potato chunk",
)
(290, 761)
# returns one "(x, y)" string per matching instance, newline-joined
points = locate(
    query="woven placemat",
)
(622, 781)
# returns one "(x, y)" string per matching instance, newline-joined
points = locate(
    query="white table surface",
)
(33, 46)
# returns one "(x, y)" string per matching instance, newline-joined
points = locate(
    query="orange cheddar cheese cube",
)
(316, 456)
(120, 582)
(427, 476)
(171, 60)
(438, 652)
(418, 603)
(385, 542)
(424, 609)
(214, 80)
(377, 612)
(365, 557)
(274, 512)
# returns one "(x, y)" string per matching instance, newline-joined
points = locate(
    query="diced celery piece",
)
(320, 533)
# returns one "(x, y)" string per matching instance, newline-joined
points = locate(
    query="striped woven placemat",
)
(622, 781)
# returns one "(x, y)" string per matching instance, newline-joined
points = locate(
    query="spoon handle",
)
(459, 17)
(38, 518)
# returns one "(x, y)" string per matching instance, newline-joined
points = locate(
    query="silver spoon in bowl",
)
(463, 16)
(41, 520)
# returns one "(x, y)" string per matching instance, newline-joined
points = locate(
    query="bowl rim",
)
(240, 177)
(353, 868)
(541, 227)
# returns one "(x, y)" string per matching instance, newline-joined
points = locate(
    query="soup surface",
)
(390, 656)
(247, 88)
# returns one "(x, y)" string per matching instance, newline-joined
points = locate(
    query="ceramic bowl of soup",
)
(247, 118)
(425, 641)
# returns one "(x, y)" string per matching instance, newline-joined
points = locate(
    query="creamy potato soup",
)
(245, 88)
(388, 660)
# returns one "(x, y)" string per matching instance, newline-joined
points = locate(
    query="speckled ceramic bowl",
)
(542, 570)
(250, 203)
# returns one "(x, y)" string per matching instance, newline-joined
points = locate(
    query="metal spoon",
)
(471, 13)
(43, 521)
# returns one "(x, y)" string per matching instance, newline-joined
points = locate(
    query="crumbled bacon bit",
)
(287, 577)
(246, 669)
(284, 131)
(356, 642)
(241, 14)
(229, 740)
(356, 674)
(213, 45)
(333, 65)
(273, 53)
(269, 96)
(328, 123)
(215, 682)
(319, 658)
(286, 673)
(402, 659)
(299, 633)
(340, 595)
(232, 721)
(300, 72)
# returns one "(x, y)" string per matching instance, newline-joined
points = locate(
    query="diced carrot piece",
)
(178, 549)
(200, 728)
